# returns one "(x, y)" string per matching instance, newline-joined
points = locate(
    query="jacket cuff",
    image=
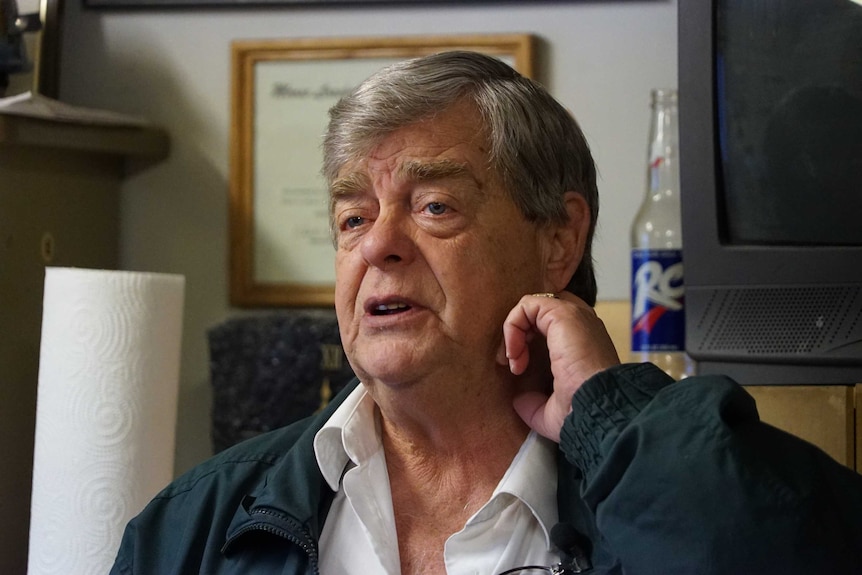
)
(604, 406)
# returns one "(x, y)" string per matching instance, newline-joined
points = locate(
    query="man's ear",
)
(567, 243)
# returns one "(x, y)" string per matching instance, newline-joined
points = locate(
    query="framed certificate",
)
(281, 253)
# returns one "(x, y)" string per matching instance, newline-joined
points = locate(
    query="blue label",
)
(658, 314)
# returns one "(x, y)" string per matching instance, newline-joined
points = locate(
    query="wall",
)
(600, 58)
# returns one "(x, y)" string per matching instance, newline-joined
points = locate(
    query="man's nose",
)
(389, 241)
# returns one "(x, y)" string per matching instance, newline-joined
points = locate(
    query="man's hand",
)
(578, 345)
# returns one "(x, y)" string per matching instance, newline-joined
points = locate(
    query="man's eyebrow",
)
(355, 184)
(346, 188)
(436, 170)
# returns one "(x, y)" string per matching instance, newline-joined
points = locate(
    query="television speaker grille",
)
(778, 323)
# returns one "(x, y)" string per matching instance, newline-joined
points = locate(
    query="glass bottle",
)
(658, 312)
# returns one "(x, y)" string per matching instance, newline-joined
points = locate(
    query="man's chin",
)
(392, 379)
(389, 367)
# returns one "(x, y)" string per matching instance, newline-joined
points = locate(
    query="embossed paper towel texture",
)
(106, 411)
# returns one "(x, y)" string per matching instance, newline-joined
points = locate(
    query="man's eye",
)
(436, 208)
(353, 222)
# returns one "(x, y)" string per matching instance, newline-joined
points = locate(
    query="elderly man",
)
(492, 429)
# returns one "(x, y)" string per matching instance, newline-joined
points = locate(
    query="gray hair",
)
(536, 146)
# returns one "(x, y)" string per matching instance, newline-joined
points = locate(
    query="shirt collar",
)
(531, 478)
(350, 436)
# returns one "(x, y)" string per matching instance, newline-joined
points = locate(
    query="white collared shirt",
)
(510, 530)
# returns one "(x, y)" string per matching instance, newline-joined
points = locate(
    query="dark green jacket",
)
(661, 477)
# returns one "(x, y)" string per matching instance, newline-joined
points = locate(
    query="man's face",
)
(431, 253)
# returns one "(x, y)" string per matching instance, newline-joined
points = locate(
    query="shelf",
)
(140, 142)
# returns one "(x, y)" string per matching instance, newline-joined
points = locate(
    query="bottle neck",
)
(663, 149)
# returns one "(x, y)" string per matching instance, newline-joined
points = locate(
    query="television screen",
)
(788, 86)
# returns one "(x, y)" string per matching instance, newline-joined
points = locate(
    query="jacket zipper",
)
(306, 544)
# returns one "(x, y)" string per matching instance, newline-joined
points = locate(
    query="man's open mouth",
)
(389, 308)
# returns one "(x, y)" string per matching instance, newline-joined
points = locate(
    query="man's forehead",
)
(448, 145)
(411, 164)
(356, 178)
(454, 132)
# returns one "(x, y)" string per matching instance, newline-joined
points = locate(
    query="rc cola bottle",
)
(658, 297)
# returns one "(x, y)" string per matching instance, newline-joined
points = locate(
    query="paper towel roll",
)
(105, 414)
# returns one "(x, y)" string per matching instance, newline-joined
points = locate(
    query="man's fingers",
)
(531, 407)
(520, 327)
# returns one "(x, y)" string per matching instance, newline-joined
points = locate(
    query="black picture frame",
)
(47, 72)
(145, 4)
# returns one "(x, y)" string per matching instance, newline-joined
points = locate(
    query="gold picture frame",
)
(280, 252)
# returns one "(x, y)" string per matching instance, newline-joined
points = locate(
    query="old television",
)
(770, 116)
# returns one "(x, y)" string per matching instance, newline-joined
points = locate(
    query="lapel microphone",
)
(574, 551)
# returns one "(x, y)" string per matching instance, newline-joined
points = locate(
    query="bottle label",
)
(658, 316)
